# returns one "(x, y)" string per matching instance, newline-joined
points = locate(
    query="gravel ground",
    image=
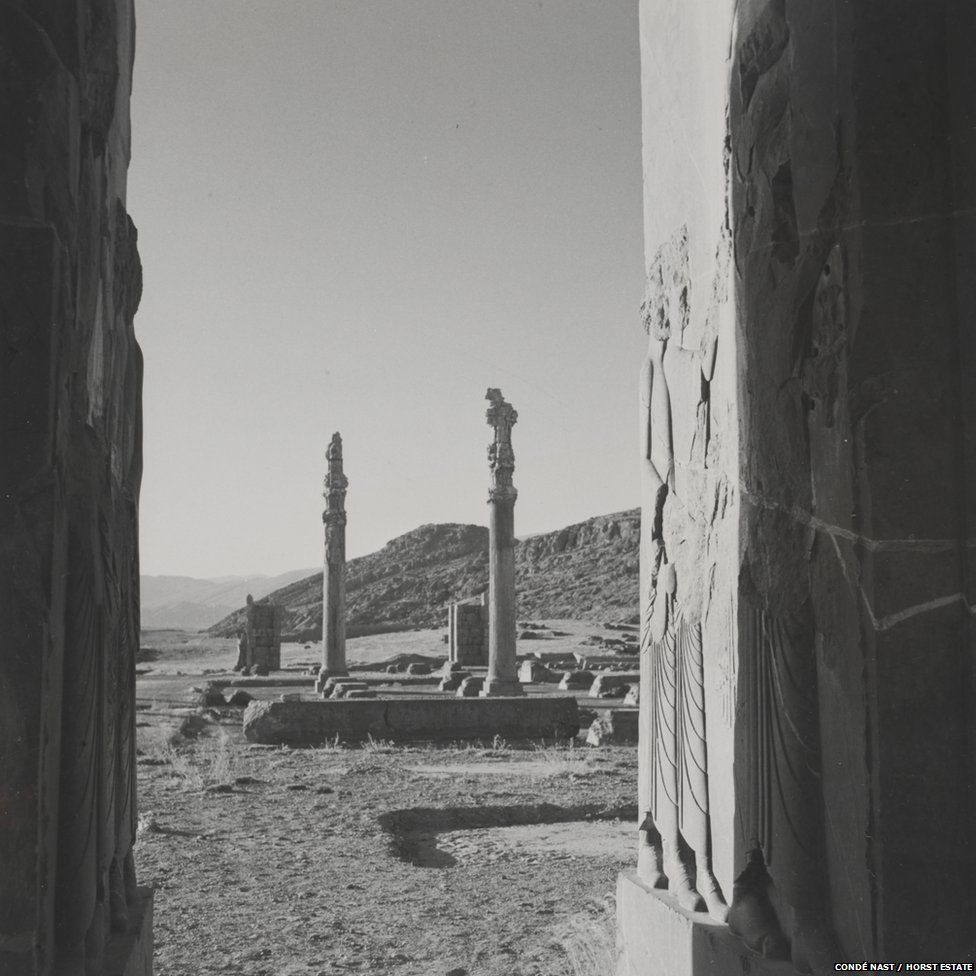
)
(409, 861)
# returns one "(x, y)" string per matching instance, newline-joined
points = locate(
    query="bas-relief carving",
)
(675, 850)
(790, 324)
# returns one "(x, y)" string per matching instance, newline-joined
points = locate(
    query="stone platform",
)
(411, 719)
(262, 681)
(656, 937)
(131, 954)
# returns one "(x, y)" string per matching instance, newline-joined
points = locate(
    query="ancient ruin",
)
(807, 482)
(467, 629)
(353, 718)
(502, 674)
(334, 569)
(71, 444)
(259, 640)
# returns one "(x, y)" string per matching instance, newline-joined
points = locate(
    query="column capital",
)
(501, 416)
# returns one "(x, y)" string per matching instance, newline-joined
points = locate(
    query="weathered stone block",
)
(576, 680)
(614, 728)
(613, 679)
(534, 672)
(411, 719)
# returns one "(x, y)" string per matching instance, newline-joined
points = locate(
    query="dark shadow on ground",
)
(414, 831)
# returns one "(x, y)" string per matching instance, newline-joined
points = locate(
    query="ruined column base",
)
(324, 675)
(131, 954)
(498, 688)
(656, 937)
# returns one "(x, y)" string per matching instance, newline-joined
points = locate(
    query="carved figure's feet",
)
(679, 881)
(709, 890)
(649, 867)
(752, 919)
(814, 948)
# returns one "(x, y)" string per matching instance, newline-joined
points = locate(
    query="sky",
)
(357, 215)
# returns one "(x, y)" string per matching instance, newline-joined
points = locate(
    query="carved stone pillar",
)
(502, 675)
(808, 450)
(334, 570)
(71, 450)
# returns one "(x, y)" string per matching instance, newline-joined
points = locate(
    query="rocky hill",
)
(586, 571)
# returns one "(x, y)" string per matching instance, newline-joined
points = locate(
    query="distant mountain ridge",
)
(188, 603)
(586, 571)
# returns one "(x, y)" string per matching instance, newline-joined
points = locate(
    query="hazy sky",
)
(357, 215)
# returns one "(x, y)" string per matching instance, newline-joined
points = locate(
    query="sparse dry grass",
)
(199, 764)
(588, 940)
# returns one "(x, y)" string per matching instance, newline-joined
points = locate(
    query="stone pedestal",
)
(334, 570)
(656, 937)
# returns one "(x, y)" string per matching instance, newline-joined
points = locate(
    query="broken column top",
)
(335, 482)
(501, 458)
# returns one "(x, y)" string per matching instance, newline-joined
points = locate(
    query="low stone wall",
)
(438, 719)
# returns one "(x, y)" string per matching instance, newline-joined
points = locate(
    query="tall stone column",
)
(334, 571)
(502, 677)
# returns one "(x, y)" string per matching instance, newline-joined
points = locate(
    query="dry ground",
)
(467, 860)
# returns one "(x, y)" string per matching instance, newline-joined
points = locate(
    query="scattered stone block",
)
(534, 672)
(618, 727)
(360, 693)
(576, 680)
(611, 681)
(240, 698)
(632, 698)
(417, 668)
